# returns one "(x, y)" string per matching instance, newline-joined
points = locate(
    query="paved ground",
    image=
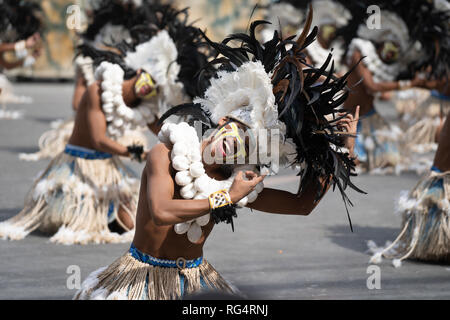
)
(268, 256)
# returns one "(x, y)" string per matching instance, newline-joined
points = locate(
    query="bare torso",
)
(442, 158)
(80, 134)
(162, 241)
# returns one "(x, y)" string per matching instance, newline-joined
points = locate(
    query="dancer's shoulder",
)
(159, 157)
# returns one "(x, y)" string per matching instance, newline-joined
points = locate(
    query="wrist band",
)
(20, 49)
(29, 61)
(136, 152)
(404, 84)
(222, 208)
(219, 199)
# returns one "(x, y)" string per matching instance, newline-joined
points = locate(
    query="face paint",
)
(229, 135)
(390, 51)
(145, 80)
(328, 31)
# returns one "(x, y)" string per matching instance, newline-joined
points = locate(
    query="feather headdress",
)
(275, 88)
(19, 19)
(421, 28)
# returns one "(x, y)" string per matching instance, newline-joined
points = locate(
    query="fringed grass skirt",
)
(377, 144)
(138, 276)
(425, 233)
(76, 198)
(409, 100)
(421, 125)
(54, 141)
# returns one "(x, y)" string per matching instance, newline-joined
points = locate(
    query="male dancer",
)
(111, 23)
(388, 52)
(86, 187)
(183, 194)
(101, 190)
(19, 35)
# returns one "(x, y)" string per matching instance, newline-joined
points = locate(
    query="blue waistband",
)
(440, 96)
(370, 113)
(435, 169)
(182, 263)
(85, 153)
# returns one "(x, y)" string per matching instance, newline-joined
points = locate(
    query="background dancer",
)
(389, 52)
(20, 25)
(110, 25)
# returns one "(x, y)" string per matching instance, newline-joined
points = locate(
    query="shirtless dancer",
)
(111, 22)
(387, 52)
(19, 36)
(180, 187)
(86, 187)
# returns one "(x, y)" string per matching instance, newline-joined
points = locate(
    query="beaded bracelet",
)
(136, 152)
(222, 208)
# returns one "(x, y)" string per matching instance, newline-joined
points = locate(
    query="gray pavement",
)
(268, 256)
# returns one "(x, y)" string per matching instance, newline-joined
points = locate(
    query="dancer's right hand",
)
(242, 187)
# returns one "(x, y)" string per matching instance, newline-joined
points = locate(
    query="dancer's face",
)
(144, 87)
(328, 33)
(230, 142)
(389, 51)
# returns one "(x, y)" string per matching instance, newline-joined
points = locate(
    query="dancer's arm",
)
(166, 210)
(283, 202)
(373, 87)
(30, 42)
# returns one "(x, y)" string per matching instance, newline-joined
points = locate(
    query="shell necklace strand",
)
(120, 116)
(191, 175)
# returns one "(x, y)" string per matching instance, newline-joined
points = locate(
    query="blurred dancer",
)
(111, 24)
(389, 52)
(20, 24)
(86, 192)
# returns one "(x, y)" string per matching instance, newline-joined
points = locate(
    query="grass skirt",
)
(407, 101)
(132, 278)
(377, 144)
(425, 233)
(75, 199)
(421, 124)
(54, 141)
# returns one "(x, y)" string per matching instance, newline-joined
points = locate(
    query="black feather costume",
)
(304, 104)
(19, 19)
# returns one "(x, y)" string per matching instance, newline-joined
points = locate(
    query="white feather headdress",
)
(392, 28)
(245, 95)
(330, 12)
(158, 57)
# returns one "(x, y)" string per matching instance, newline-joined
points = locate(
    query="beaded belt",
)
(85, 153)
(180, 263)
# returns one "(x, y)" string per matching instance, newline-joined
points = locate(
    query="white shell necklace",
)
(191, 176)
(120, 116)
(381, 71)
